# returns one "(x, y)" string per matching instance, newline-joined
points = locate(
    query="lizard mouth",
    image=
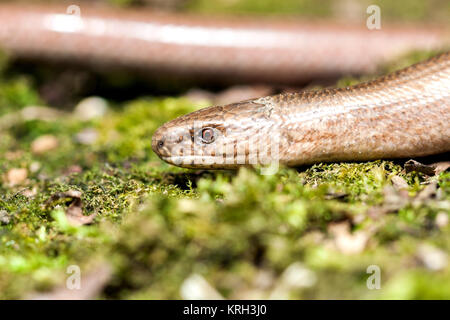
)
(210, 162)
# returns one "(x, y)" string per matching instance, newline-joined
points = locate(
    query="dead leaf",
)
(345, 241)
(335, 195)
(429, 170)
(441, 166)
(427, 193)
(399, 183)
(394, 200)
(413, 165)
(74, 211)
(392, 203)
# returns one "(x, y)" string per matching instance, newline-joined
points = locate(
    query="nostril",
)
(160, 143)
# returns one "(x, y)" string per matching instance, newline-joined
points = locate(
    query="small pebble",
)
(35, 166)
(91, 108)
(441, 219)
(195, 287)
(40, 113)
(87, 136)
(4, 217)
(297, 275)
(29, 193)
(16, 176)
(432, 258)
(44, 144)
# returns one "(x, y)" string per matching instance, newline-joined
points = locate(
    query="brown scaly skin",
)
(404, 114)
(211, 49)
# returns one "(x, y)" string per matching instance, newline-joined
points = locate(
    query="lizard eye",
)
(207, 135)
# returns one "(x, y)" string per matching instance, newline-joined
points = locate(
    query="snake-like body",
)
(403, 114)
(200, 48)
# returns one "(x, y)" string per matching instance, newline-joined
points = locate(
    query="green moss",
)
(17, 93)
(391, 11)
(304, 7)
(434, 10)
(128, 133)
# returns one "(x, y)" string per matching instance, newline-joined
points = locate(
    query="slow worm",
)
(212, 49)
(403, 114)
